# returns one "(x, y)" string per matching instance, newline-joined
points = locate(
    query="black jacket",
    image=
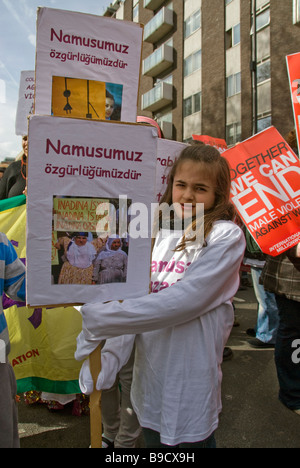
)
(13, 181)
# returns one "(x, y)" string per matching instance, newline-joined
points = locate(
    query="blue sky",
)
(17, 53)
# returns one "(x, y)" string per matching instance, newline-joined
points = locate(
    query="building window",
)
(192, 104)
(233, 37)
(197, 102)
(193, 63)
(233, 134)
(296, 12)
(192, 23)
(264, 123)
(166, 117)
(263, 71)
(135, 11)
(233, 85)
(263, 20)
(188, 106)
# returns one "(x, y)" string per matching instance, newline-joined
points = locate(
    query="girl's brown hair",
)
(217, 170)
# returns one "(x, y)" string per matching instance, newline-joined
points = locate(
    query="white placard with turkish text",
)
(82, 60)
(83, 179)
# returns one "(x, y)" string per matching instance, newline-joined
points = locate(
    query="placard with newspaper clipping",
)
(90, 190)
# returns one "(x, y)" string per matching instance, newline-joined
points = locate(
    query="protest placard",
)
(25, 102)
(168, 152)
(293, 65)
(87, 66)
(83, 178)
(218, 143)
(266, 190)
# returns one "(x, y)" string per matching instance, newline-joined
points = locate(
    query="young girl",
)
(180, 333)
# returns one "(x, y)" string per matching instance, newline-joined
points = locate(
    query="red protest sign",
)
(218, 143)
(293, 64)
(266, 190)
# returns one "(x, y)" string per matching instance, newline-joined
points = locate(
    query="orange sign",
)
(293, 64)
(266, 190)
(218, 143)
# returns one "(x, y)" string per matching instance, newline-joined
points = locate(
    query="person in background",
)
(12, 283)
(121, 428)
(14, 180)
(3, 167)
(265, 332)
(281, 276)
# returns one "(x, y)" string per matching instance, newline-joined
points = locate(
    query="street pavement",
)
(252, 415)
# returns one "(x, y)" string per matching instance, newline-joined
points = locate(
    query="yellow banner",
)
(43, 341)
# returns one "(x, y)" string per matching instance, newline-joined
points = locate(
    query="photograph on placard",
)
(74, 166)
(87, 245)
(86, 99)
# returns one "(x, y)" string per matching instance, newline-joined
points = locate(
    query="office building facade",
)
(215, 67)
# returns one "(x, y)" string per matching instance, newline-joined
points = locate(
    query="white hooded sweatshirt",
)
(180, 333)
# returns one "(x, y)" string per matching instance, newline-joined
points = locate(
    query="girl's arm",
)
(211, 280)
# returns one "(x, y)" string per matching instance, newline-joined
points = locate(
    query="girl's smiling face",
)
(191, 186)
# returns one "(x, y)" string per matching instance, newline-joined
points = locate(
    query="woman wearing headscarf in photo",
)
(79, 254)
(111, 264)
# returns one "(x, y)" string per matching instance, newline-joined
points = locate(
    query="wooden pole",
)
(95, 400)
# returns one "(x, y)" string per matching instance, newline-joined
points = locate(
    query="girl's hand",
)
(106, 378)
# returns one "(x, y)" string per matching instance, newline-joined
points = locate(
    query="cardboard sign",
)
(167, 153)
(266, 190)
(218, 143)
(25, 102)
(83, 179)
(87, 66)
(293, 65)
